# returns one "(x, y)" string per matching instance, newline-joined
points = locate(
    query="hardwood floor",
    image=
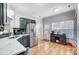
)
(50, 48)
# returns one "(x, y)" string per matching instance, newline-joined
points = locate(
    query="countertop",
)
(11, 46)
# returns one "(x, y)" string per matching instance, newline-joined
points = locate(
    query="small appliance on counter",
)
(18, 31)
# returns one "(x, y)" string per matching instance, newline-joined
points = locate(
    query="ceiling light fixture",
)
(56, 10)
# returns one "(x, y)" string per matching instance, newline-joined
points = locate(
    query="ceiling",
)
(41, 10)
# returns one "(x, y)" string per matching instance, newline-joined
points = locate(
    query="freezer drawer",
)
(33, 41)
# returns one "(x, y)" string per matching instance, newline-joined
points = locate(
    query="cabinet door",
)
(1, 14)
(21, 41)
(25, 40)
(22, 23)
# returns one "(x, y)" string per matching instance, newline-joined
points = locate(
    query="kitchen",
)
(26, 28)
(17, 33)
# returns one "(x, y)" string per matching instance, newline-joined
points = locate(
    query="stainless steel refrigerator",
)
(31, 29)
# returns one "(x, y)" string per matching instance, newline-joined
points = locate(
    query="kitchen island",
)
(11, 46)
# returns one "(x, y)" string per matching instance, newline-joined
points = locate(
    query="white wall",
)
(60, 17)
(39, 28)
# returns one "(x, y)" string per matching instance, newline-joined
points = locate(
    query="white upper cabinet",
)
(10, 13)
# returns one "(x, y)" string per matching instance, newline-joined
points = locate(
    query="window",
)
(64, 27)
